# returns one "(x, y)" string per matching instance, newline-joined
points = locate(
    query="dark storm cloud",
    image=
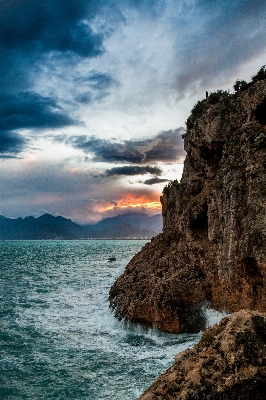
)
(106, 150)
(30, 110)
(230, 33)
(27, 110)
(10, 144)
(30, 29)
(131, 170)
(153, 181)
(167, 146)
(50, 25)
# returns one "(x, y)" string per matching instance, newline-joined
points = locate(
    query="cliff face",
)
(228, 363)
(213, 245)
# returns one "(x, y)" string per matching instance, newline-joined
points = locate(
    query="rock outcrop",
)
(228, 363)
(213, 245)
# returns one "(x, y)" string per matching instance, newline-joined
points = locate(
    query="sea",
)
(58, 337)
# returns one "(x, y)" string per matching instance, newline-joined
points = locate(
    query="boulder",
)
(228, 363)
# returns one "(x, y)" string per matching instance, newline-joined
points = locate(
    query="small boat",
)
(111, 259)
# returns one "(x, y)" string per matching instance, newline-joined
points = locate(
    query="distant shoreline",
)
(49, 227)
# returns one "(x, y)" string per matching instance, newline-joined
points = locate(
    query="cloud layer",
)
(165, 147)
(103, 88)
(11, 144)
(51, 25)
(131, 170)
(206, 43)
(28, 110)
(36, 188)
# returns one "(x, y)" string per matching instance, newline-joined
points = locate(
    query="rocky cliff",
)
(213, 245)
(228, 363)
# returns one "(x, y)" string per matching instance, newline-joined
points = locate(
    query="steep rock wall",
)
(213, 245)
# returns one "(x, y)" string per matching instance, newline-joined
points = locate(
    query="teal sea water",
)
(58, 337)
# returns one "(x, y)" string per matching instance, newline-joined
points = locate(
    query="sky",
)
(95, 94)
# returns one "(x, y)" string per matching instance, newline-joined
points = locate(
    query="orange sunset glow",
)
(133, 200)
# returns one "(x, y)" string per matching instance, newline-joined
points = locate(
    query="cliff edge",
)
(213, 246)
(228, 363)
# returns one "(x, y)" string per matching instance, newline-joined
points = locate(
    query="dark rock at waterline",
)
(228, 363)
(213, 245)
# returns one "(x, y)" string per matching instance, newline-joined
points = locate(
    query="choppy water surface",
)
(58, 337)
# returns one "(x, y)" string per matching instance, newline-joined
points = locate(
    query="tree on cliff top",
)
(241, 85)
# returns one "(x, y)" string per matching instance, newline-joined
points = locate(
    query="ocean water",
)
(58, 336)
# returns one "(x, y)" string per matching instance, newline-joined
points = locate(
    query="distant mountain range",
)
(49, 227)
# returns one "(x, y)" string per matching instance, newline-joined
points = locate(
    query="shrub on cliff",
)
(215, 97)
(200, 106)
(240, 85)
(167, 188)
(261, 75)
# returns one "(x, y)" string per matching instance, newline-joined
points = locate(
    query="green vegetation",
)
(261, 75)
(216, 97)
(197, 110)
(209, 336)
(200, 106)
(219, 95)
(241, 85)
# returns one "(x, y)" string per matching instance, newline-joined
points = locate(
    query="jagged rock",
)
(228, 363)
(213, 246)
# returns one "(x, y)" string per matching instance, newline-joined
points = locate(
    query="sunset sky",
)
(95, 95)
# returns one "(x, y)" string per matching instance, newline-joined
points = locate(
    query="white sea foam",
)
(212, 316)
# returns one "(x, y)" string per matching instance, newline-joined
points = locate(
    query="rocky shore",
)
(228, 363)
(213, 246)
